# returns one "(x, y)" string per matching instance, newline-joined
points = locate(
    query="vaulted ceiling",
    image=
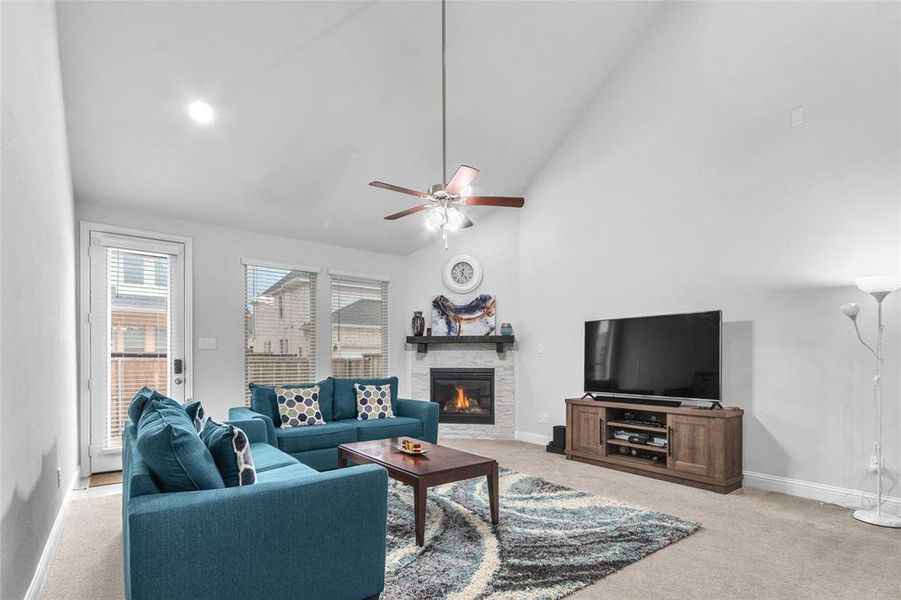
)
(315, 99)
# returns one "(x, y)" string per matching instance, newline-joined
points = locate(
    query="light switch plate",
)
(797, 116)
(207, 343)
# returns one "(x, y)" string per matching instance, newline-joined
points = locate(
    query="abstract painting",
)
(478, 317)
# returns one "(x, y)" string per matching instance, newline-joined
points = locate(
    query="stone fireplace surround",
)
(470, 356)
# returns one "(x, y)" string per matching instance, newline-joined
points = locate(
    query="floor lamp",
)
(879, 287)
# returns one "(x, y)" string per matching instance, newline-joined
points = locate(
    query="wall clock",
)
(462, 274)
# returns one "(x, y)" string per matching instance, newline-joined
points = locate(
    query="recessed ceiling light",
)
(201, 112)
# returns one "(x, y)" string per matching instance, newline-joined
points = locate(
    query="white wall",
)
(219, 288)
(38, 427)
(494, 242)
(684, 187)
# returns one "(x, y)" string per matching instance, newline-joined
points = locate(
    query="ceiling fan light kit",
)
(443, 200)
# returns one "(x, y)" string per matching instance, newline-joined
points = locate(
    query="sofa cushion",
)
(379, 429)
(139, 402)
(298, 407)
(266, 458)
(172, 449)
(300, 439)
(345, 400)
(288, 472)
(231, 453)
(373, 402)
(263, 399)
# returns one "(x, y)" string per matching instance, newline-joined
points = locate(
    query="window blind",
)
(279, 326)
(139, 319)
(359, 327)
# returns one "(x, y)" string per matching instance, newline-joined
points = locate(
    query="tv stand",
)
(700, 448)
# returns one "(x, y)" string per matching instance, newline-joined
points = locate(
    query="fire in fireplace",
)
(464, 395)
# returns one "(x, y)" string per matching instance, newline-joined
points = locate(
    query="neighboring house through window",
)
(134, 339)
(132, 270)
(279, 312)
(359, 327)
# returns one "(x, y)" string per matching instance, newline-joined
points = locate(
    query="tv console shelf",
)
(702, 447)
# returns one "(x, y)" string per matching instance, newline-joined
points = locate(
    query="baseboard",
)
(816, 491)
(36, 588)
(531, 438)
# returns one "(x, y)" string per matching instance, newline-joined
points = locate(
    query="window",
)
(279, 312)
(132, 270)
(359, 327)
(134, 339)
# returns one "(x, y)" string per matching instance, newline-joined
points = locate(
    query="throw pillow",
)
(195, 413)
(174, 453)
(231, 452)
(373, 402)
(264, 401)
(298, 407)
(139, 403)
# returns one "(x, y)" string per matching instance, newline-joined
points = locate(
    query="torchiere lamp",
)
(879, 287)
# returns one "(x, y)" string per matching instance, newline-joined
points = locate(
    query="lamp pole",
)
(879, 288)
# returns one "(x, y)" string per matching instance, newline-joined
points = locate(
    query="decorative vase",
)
(418, 323)
(506, 329)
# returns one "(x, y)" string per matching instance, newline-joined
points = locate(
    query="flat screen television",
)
(665, 358)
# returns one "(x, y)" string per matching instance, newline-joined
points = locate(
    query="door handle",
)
(669, 441)
(177, 366)
(601, 433)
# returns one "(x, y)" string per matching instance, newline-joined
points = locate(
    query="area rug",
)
(551, 540)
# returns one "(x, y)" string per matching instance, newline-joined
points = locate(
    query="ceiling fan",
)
(443, 200)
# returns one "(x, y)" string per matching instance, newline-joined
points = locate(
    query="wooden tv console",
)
(703, 447)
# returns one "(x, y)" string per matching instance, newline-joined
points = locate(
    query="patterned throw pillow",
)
(230, 449)
(373, 402)
(195, 413)
(298, 407)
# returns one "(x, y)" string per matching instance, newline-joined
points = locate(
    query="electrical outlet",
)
(874, 464)
(542, 419)
(540, 348)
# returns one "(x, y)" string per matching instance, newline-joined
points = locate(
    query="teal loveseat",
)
(294, 534)
(317, 445)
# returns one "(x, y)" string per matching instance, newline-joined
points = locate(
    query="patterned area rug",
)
(551, 540)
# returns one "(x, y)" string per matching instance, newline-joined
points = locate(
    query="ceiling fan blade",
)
(494, 201)
(464, 176)
(409, 211)
(397, 188)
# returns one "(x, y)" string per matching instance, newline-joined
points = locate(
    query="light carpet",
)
(753, 544)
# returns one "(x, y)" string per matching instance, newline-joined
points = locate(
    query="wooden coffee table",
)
(440, 465)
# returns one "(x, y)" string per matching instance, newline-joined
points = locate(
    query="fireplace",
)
(463, 395)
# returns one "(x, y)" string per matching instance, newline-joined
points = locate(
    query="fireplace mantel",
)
(422, 341)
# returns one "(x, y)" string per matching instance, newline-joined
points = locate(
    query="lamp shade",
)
(878, 286)
(851, 309)
(878, 283)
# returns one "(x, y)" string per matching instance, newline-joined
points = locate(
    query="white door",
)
(137, 333)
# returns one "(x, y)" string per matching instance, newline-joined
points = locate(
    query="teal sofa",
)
(294, 534)
(317, 445)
